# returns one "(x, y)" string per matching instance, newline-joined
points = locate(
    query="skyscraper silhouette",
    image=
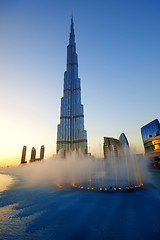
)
(70, 132)
(23, 155)
(42, 152)
(33, 155)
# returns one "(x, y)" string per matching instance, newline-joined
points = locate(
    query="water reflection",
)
(62, 214)
(5, 182)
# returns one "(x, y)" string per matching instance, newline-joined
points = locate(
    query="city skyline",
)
(118, 47)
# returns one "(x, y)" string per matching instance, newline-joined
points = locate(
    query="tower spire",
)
(72, 36)
(72, 19)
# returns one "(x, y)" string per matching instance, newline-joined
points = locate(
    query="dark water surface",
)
(46, 213)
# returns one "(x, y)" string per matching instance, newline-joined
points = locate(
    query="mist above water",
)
(5, 182)
(82, 170)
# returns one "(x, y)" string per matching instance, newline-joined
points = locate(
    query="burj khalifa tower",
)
(70, 132)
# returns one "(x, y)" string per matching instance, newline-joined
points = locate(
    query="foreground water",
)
(46, 213)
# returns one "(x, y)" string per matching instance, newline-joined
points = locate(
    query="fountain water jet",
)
(122, 172)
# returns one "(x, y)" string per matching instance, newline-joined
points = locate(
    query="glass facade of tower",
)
(150, 130)
(151, 139)
(123, 140)
(70, 132)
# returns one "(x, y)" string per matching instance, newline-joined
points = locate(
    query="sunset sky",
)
(118, 46)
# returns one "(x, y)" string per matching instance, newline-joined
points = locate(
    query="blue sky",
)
(119, 56)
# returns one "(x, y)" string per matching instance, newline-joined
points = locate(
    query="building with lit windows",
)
(152, 147)
(151, 139)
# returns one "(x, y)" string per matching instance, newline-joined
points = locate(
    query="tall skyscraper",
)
(33, 155)
(42, 152)
(23, 155)
(70, 132)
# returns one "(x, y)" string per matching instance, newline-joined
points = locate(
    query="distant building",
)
(33, 155)
(23, 158)
(123, 140)
(111, 145)
(151, 139)
(42, 152)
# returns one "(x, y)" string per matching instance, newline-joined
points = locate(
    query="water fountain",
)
(124, 172)
(116, 173)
